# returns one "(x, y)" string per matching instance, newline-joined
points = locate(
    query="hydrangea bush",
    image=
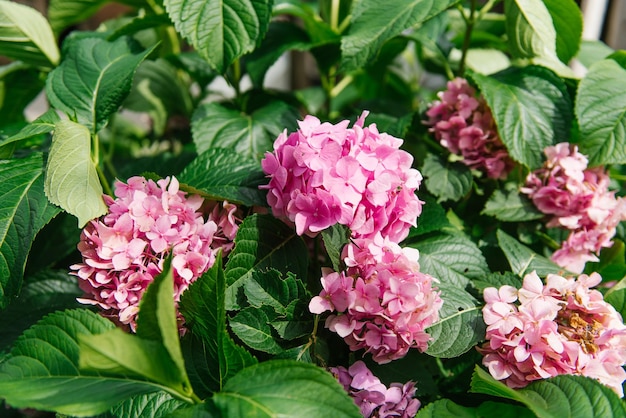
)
(431, 226)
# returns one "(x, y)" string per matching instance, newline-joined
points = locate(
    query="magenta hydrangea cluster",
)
(147, 221)
(576, 198)
(564, 327)
(382, 303)
(373, 398)
(324, 174)
(463, 123)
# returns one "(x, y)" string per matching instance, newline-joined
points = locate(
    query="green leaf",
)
(522, 259)
(460, 326)
(263, 242)
(616, 296)
(592, 52)
(453, 259)
(335, 238)
(221, 30)
(153, 405)
(42, 125)
(315, 27)
(93, 79)
(449, 181)
(24, 210)
(532, 35)
(222, 174)
(511, 206)
(557, 397)
(25, 35)
(42, 370)
(284, 388)
(71, 178)
(532, 110)
(601, 113)
(64, 13)
(445, 408)
(215, 126)
(497, 280)
(503, 410)
(433, 217)
(252, 326)
(20, 84)
(374, 22)
(268, 288)
(568, 24)
(214, 357)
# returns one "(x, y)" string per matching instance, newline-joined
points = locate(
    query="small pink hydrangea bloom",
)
(324, 174)
(562, 327)
(578, 199)
(124, 250)
(372, 397)
(462, 122)
(382, 303)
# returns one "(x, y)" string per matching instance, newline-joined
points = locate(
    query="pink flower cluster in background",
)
(372, 397)
(576, 198)
(462, 122)
(324, 174)
(564, 327)
(125, 250)
(382, 303)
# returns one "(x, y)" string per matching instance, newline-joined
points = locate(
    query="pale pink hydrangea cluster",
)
(462, 122)
(564, 327)
(372, 397)
(125, 250)
(382, 303)
(324, 174)
(576, 198)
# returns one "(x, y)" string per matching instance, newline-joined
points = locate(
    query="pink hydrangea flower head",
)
(147, 221)
(382, 303)
(562, 327)
(463, 123)
(372, 397)
(576, 198)
(324, 174)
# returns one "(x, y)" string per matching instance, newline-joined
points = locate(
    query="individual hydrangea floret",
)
(562, 327)
(372, 397)
(324, 174)
(123, 251)
(462, 122)
(382, 303)
(576, 198)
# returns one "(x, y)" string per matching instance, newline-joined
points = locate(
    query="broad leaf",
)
(94, 79)
(270, 289)
(557, 397)
(252, 326)
(221, 30)
(222, 174)
(453, 259)
(335, 238)
(568, 24)
(20, 84)
(153, 405)
(25, 35)
(213, 356)
(497, 280)
(283, 388)
(263, 242)
(433, 217)
(601, 113)
(531, 108)
(511, 206)
(445, 408)
(64, 13)
(374, 22)
(616, 296)
(522, 259)
(42, 370)
(447, 181)
(215, 126)
(42, 125)
(24, 210)
(460, 326)
(71, 178)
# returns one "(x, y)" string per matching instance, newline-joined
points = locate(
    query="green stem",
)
(103, 180)
(171, 36)
(485, 9)
(334, 15)
(340, 86)
(469, 26)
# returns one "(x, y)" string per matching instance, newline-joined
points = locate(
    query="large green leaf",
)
(284, 388)
(532, 110)
(25, 35)
(601, 112)
(263, 242)
(214, 125)
(522, 259)
(335, 238)
(222, 174)
(562, 396)
(252, 326)
(153, 405)
(94, 78)
(460, 326)
(42, 371)
(24, 210)
(213, 356)
(20, 83)
(42, 125)
(71, 178)
(64, 13)
(449, 181)
(511, 206)
(221, 30)
(568, 24)
(445, 408)
(374, 22)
